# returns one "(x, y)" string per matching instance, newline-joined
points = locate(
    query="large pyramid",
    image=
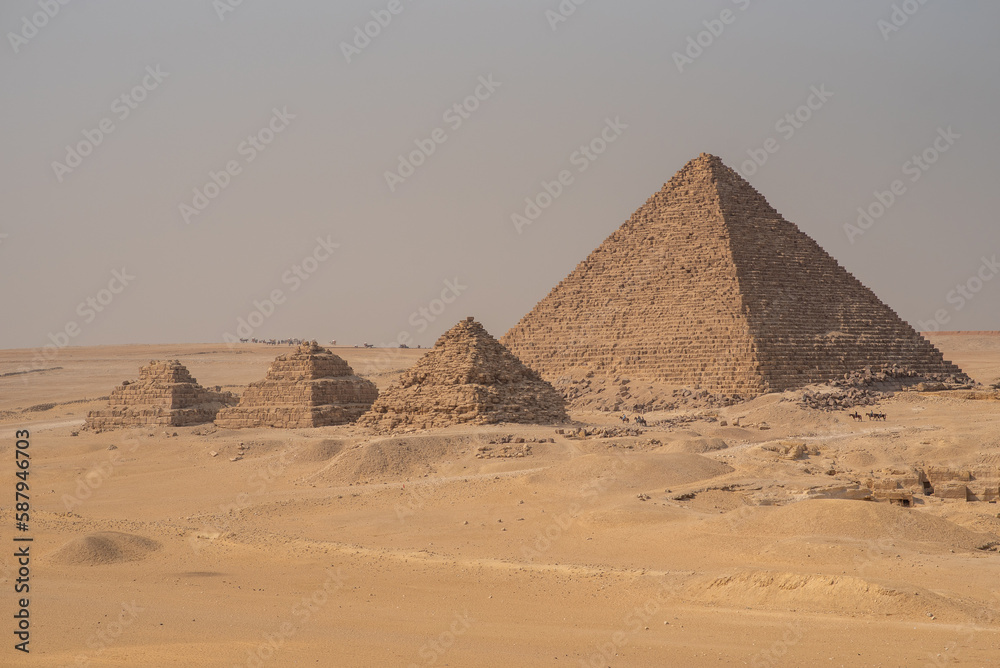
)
(311, 387)
(164, 395)
(467, 377)
(708, 286)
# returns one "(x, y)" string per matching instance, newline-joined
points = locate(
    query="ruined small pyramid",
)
(311, 387)
(707, 286)
(164, 395)
(466, 378)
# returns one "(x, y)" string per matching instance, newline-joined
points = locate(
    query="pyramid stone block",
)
(164, 395)
(708, 286)
(466, 378)
(311, 387)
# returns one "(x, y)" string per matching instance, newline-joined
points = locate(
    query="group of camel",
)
(275, 342)
(638, 419)
(871, 416)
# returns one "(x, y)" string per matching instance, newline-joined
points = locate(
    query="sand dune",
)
(104, 547)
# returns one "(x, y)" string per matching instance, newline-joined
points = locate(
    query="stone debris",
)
(603, 432)
(847, 492)
(510, 438)
(790, 450)
(466, 378)
(871, 385)
(707, 286)
(310, 387)
(591, 392)
(503, 452)
(680, 421)
(164, 395)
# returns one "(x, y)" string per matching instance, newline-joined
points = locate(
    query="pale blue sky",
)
(323, 176)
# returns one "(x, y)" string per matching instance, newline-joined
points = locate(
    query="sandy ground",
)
(332, 547)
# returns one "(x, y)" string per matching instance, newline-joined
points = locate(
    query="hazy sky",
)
(199, 81)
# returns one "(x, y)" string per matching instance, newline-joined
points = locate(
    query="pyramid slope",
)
(467, 377)
(165, 395)
(707, 286)
(311, 387)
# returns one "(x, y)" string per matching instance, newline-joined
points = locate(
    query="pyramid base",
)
(414, 408)
(150, 416)
(289, 417)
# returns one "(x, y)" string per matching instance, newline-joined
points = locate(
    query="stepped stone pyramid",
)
(311, 387)
(165, 395)
(466, 378)
(707, 286)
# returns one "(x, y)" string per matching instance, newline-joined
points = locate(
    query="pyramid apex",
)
(706, 160)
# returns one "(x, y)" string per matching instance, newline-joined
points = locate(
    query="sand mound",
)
(398, 459)
(647, 471)
(105, 547)
(698, 445)
(857, 520)
(320, 451)
(858, 459)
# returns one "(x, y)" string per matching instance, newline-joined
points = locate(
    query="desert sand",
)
(695, 544)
